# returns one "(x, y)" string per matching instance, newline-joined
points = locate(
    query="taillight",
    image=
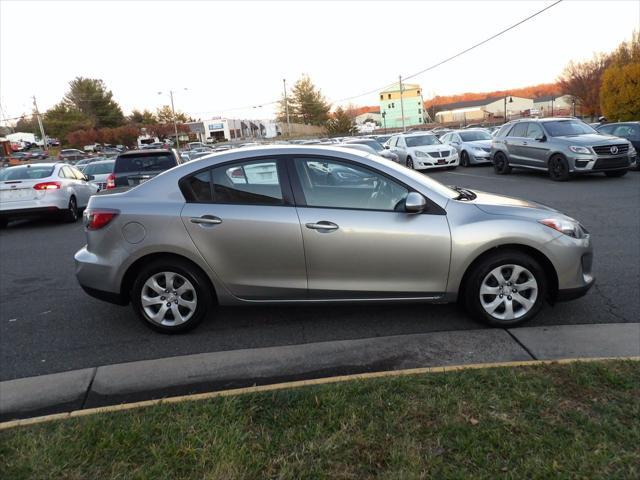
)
(111, 181)
(48, 186)
(96, 219)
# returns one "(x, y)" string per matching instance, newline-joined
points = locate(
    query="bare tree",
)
(582, 81)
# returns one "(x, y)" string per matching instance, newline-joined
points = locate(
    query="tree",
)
(582, 81)
(627, 52)
(306, 104)
(340, 123)
(91, 97)
(165, 115)
(62, 119)
(27, 123)
(142, 118)
(620, 92)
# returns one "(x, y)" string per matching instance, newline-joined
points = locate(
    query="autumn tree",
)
(340, 123)
(582, 80)
(142, 118)
(306, 104)
(62, 119)
(164, 114)
(27, 123)
(620, 90)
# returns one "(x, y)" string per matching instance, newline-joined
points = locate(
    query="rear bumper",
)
(110, 297)
(29, 212)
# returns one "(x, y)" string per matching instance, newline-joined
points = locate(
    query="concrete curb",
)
(191, 374)
(296, 384)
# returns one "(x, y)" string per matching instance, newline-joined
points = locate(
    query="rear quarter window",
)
(144, 163)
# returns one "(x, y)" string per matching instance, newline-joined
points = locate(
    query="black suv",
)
(560, 146)
(137, 166)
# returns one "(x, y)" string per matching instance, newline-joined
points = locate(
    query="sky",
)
(232, 57)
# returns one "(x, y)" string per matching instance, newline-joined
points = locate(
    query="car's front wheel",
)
(409, 163)
(505, 289)
(171, 296)
(558, 169)
(464, 160)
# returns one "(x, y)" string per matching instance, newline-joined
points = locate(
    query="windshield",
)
(26, 172)
(475, 135)
(421, 140)
(99, 168)
(561, 128)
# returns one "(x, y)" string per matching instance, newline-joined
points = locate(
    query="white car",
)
(43, 189)
(422, 150)
(99, 171)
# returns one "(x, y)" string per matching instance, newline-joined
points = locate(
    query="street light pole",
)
(286, 105)
(384, 120)
(44, 137)
(401, 102)
(173, 113)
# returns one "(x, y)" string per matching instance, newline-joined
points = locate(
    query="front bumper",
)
(573, 262)
(423, 163)
(579, 163)
(567, 294)
(484, 157)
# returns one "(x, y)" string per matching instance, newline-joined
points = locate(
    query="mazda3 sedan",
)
(315, 224)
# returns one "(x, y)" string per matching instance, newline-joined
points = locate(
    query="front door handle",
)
(322, 225)
(206, 220)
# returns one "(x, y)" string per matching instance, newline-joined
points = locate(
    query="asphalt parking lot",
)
(48, 324)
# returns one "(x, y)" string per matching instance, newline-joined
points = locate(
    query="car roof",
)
(411, 134)
(147, 151)
(476, 129)
(106, 160)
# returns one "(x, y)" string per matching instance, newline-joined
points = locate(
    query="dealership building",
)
(219, 129)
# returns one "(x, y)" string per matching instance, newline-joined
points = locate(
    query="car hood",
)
(430, 148)
(591, 139)
(494, 204)
(479, 143)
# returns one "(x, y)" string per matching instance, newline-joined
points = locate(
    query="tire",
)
(71, 214)
(464, 160)
(616, 173)
(483, 275)
(501, 164)
(558, 169)
(409, 163)
(192, 305)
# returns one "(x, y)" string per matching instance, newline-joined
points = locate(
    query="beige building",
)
(493, 108)
(554, 105)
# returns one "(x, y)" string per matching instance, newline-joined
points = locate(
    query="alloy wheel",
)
(168, 299)
(409, 163)
(73, 209)
(508, 292)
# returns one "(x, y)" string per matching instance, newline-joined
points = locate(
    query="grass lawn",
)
(578, 420)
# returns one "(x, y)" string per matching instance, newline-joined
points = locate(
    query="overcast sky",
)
(235, 54)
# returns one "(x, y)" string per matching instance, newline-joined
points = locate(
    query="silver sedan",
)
(316, 224)
(473, 145)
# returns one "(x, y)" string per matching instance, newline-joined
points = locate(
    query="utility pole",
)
(286, 105)
(173, 113)
(44, 137)
(401, 102)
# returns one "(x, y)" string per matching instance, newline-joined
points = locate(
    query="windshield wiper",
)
(464, 194)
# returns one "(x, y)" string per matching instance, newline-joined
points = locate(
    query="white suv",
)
(43, 189)
(422, 150)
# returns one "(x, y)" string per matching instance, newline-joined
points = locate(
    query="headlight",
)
(579, 149)
(420, 154)
(566, 226)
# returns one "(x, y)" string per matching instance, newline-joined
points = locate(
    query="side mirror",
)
(540, 138)
(414, 203)
(89, 177)
(386, 147)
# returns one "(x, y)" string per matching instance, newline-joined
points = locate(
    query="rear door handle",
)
(206, 220)
(322, 225)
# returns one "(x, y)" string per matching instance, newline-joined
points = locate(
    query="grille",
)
(618, 162)
(444, 153)
(606, 149)
(434, 154)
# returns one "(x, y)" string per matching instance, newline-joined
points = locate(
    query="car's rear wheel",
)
(558, 169)
(501, 164)
(71, 215)
(464, 160)
(409, 163)
(616, 173)
(171, 296)
(505, 289)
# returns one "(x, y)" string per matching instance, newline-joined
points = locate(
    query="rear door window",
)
(534, 131)
(520, 130)
(144, 163)
(242, 183)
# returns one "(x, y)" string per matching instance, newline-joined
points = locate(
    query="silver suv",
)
(560, 146)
